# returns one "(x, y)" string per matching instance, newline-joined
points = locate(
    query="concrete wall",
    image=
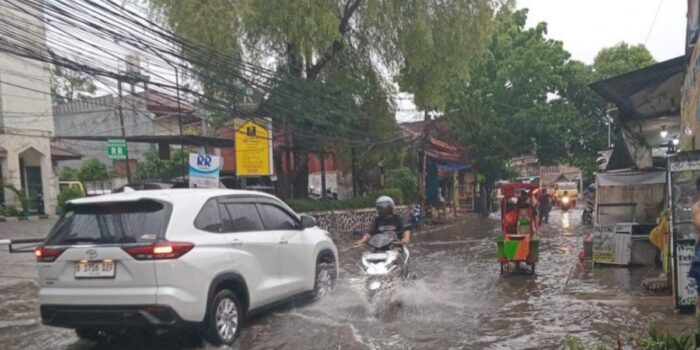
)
(649, 199)
(26, 119)
(25, 90)
(100, 117)
(341, 223)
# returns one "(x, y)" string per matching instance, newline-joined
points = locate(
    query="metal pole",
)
(121, 122)
(323, 175)
(179, 123)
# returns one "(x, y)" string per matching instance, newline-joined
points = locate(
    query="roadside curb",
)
(29, 218)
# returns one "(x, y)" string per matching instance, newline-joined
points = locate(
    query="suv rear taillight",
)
(47, 254)
(160, 250)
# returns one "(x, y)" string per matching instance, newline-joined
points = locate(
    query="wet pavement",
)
(459, 301)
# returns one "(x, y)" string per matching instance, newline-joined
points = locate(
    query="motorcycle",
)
(587, 215)
(416, 217)
(565, 203)
(384, 263)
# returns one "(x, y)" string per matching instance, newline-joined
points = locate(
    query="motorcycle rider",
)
(386, 221)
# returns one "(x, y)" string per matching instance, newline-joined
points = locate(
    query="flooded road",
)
(459, 301)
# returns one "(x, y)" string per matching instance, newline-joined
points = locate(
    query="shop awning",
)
(453, 167)
(630, 178)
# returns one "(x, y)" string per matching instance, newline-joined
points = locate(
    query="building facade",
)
(26, 118)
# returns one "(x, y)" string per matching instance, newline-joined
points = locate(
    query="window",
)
(208, 218)
(276, 218)
(111, 222)
(240, 217)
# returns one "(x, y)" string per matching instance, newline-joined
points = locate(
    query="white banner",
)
(204, 170)
(631, 178)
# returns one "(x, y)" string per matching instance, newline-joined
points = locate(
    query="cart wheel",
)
(533, 268)
(501, 268)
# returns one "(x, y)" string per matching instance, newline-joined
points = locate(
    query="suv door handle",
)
(284, 241)
(236, 242)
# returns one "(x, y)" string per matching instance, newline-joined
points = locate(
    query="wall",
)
(649, 199)
(25, 92)
(342, 222)
(100, 117)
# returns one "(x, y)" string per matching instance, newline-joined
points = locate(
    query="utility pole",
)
(179, 123)
(121, 122)
(323, 174)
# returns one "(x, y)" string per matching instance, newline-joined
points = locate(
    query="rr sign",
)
(116, 149)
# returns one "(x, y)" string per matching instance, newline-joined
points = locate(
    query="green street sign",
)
(116, 149)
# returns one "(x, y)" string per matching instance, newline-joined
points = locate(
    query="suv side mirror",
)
(307, 221)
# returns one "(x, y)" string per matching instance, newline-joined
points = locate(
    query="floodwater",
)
(459, 301)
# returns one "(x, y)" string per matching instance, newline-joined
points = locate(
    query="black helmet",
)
(385, 206)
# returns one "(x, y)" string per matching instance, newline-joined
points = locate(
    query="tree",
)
(69, 85)
(321, 48)
(504, 108)
(68, 174)
(153, 168)
(621, 58)
(93, 170)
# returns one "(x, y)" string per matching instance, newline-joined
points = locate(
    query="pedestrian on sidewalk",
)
(544, 207)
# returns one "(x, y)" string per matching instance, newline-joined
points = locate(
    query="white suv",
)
(181, 258)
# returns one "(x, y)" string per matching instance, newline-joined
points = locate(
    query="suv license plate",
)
(95, 269)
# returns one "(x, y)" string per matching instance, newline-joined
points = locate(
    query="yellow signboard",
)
(253, 144)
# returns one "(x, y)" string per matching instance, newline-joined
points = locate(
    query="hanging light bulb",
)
(663, 132)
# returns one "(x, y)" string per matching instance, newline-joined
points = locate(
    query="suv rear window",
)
(141, 221)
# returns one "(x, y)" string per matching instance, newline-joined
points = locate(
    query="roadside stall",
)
(684, 171)
(628, 203)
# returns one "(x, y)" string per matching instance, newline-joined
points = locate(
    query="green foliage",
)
(9, 210)
(93, 170)
(654, 340)
(20, 196)
(621, 58)
(69, 85)
(430, 41)
(405, 180)
(69, 194)
(310, 205)
(153, 168)
(68, 174)
(526, 96)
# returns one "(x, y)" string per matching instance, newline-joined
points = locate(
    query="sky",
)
(587, 26)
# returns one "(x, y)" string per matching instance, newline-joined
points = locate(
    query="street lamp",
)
(663, 132)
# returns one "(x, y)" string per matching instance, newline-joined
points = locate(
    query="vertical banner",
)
(253, 144)
(204, 171)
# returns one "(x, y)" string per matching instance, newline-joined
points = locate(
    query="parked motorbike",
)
(384, 264)
(416, 217)
(587, 215)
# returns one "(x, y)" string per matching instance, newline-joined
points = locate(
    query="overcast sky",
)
(588, 26)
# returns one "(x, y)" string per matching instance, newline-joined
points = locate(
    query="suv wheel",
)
(326, 275)
(225, 318)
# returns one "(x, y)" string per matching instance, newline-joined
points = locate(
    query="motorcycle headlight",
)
(565, 200)
(375, 285)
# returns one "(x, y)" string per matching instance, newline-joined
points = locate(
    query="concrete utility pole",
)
(179, 123)
(121, 122)
(323, 174)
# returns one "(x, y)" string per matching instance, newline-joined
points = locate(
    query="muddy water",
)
(460, 301)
